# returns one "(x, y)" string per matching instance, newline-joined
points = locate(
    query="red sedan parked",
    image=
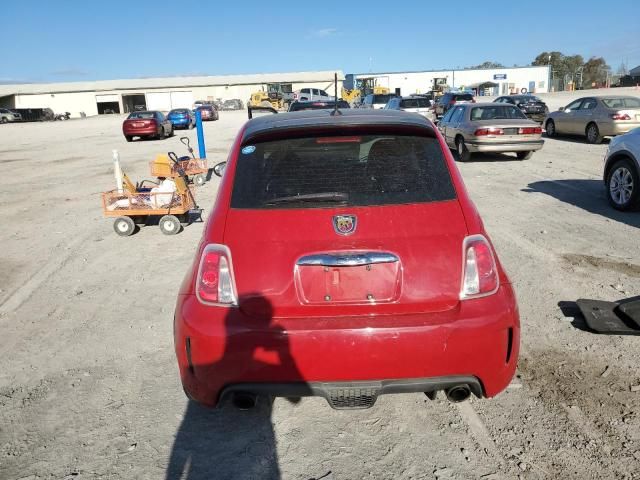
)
(150, 124)
(344, 259)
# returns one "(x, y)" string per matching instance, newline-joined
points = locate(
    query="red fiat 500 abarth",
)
(344, 259)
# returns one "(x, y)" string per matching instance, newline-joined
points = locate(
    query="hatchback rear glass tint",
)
(415, 103)
(498, 112)
(328, 171)
(621, 102)
(465, 97)
(141, 115)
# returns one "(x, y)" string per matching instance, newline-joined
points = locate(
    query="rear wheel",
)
(463, 152)
(623, 185)
(4, 120)
(550, 127)
(161, 135)
(593, 134)
(170, 225)
(129, 138)
(524, 155)
(124, 226)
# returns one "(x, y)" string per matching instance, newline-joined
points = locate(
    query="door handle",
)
(347, 260)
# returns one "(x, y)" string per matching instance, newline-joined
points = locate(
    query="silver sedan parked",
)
(490, 127)
(622, 171)
(595, 117)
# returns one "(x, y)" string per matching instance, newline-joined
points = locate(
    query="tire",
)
(623, 185)
(124, 226)
(199, 180)
(550, 127)
(592, 132)
(461, 148)
(169, 225)
(170, 134)
(4, 120)
(129, 138)
(524, 155)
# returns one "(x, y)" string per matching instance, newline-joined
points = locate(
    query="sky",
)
(71, 40)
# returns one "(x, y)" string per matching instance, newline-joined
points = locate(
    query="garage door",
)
(108, 98)
(181, 99)
(159, 101)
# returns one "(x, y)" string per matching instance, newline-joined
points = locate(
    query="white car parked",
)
(622, 171)
(414, 104)
(311, 95)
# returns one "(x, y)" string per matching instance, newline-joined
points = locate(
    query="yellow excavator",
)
(355, 89)
(274, 96)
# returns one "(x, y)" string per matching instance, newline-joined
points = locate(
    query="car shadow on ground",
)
(226, 442)
(489, 157)
(575, 139)
(586, 194)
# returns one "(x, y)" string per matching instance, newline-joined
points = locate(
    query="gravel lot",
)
(89, 385)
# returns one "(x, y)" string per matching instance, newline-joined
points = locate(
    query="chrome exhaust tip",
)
(458, 394)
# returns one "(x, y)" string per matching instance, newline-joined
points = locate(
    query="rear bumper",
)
(181, 122)
(617, 128)
(221, 350)
(529, 146)
(139, 132)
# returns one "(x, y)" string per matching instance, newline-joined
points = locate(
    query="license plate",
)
(510, 131)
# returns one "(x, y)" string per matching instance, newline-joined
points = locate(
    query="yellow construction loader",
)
(273, 96)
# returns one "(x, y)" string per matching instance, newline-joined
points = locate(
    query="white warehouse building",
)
(123, 96)
(490, 81)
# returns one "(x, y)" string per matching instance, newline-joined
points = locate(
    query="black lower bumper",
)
(353, 395)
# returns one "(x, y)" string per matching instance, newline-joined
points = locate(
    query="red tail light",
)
(452, 102)
(215, 283)
(530, 130)
(620, 116)
(479, 271)
(488, 131)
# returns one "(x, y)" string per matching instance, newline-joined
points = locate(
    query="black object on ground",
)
(612, 318)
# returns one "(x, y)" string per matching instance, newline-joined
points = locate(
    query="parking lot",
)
(89, 386)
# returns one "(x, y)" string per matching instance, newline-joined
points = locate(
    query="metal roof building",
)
(123, 96)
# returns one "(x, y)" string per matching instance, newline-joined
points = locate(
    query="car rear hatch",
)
(347, 225)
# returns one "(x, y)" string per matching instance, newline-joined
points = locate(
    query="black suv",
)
(446, 101)
(531, 106)
(317, 105)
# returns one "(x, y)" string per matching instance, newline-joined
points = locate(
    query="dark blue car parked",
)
(182, 118)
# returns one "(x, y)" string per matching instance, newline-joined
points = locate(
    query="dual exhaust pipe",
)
(456, 394)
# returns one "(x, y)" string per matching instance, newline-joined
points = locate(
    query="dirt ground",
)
(89, 386)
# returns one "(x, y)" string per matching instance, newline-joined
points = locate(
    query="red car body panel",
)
(140, 128)
(277, 335)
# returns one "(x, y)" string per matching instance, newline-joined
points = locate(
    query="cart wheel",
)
(199, 179)
(170, 225)
(124, 226)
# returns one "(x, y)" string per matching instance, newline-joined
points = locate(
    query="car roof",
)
(323, 118)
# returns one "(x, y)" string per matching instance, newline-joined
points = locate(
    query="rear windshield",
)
(461, 97)
(621, 102)
(379, 98)
(499, 112)
(179, 111)
(142, 115)
(415, 103)
(328, 171)
(527, 98)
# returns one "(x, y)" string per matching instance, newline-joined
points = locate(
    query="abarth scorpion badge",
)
(344, 224)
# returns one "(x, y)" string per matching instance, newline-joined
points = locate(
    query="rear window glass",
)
(621, 102)
(463, 97)
(415, 103)
(328, 171)
(180, 111)
(498, 112)
(142, 115)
